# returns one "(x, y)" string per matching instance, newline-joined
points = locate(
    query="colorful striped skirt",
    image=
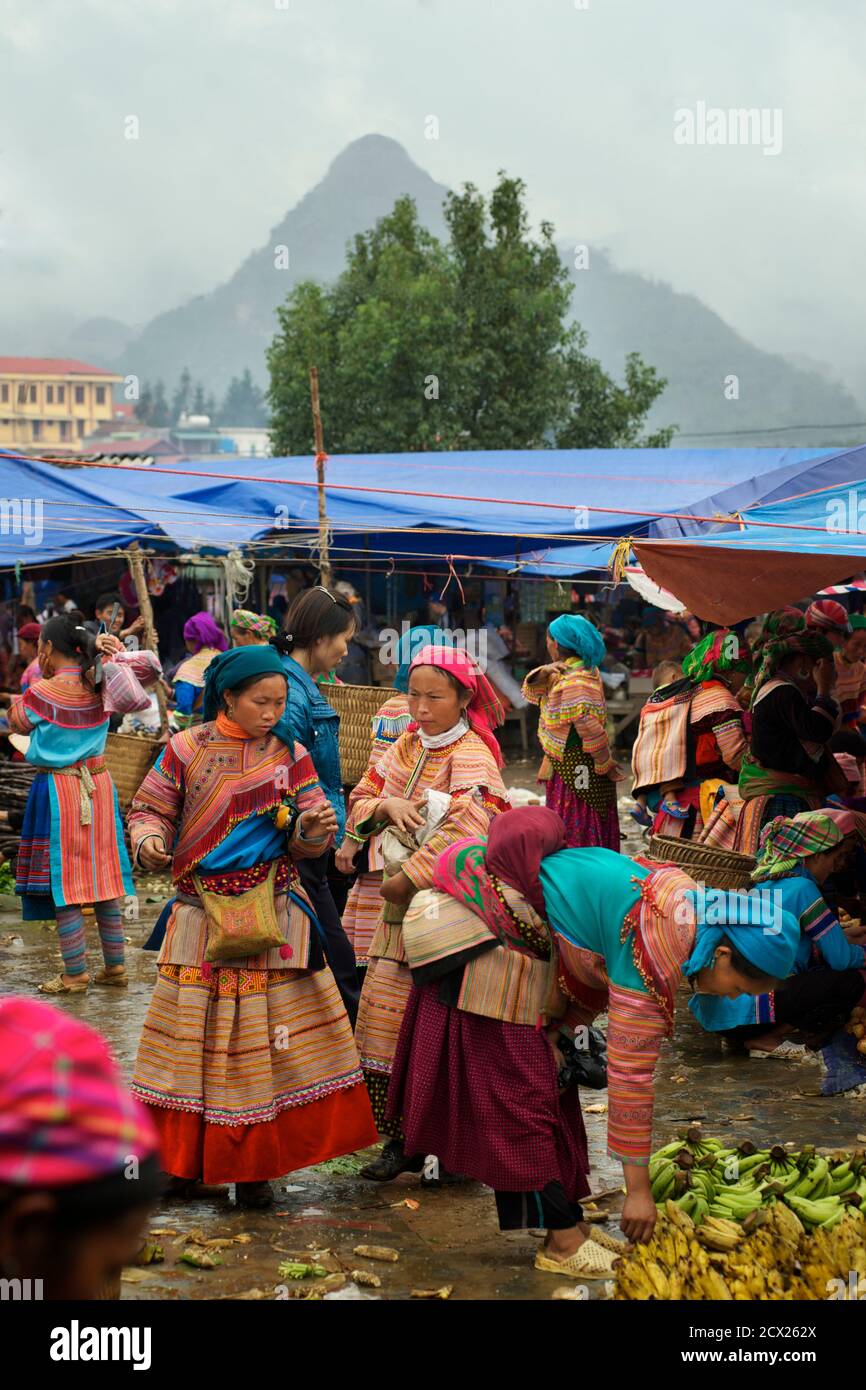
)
(590, 815)
(482, 1095)
(361, 917)
(63, 862)
(250, 1074)
(385, 994)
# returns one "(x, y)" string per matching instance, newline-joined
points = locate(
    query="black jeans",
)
(338, 948)
(548, 1209)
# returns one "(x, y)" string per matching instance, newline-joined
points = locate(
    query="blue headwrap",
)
(231, 668)
(755, 924)
(577, 635)
(413, 642)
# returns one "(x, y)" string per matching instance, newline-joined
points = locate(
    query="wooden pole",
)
(319, 437)
(135, 559)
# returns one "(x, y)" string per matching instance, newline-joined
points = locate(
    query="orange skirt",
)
(299, 1138)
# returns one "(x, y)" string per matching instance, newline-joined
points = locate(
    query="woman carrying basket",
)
(72, 850)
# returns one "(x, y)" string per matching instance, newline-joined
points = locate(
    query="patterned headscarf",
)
(785, 843)
(719, 652)
(812, 644)
(203, 631)
(245, 621)
(518, 842)
(66, 1116)
(578, 635)
(484, 711)
(827, 615)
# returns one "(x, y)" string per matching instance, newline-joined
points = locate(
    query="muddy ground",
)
(446, 1236)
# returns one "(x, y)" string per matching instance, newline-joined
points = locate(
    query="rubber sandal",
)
(642, 817)
(606, 1241)
(674, 809)
(591, 1261)
(115, 981)
(57, 986)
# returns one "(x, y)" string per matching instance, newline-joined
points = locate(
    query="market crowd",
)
(419, 961)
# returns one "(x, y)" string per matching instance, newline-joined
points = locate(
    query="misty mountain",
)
(220, 333)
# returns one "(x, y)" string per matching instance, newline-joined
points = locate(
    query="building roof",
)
(52, 366)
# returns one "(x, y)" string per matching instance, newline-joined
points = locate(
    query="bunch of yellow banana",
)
(775, 1260)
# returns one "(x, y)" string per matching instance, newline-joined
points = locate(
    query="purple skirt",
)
(481, 1095)
(585, 824)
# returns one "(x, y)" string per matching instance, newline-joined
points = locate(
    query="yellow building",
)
(50, 404)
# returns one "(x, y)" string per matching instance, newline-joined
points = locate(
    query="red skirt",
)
(481, 1095)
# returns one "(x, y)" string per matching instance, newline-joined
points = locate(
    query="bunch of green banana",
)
(825, 1212)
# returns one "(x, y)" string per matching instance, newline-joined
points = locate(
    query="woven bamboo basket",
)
(129, 758)
(717, 868)
(356, 706)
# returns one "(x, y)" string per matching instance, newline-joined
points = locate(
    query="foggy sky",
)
(242, 106)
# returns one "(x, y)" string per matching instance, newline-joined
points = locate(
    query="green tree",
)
(144, 405)
(244, 403)
(198, 401)
(467, 344)
(159, 415)
(181, 398)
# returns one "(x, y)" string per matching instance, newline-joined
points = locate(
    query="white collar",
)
(443, 740)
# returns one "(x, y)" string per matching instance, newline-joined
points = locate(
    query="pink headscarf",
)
(66, 1115)
(484, 711)
(202, 630)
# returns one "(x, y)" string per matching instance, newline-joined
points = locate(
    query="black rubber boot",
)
(392, 1161)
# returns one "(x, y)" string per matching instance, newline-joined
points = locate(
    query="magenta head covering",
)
(202, 630)
(66, 1116)
(484, 711)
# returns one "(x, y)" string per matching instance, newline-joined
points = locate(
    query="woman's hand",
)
(397, 889)
(317, 824)
(615, 773)
(134, 628)
(344, 859)
(856, 933)
(545, 674)
(403, 814)
(639, 1213)
(151, 853)
(108, 645)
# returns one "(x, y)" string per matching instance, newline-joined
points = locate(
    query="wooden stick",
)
(135, 560)
(319, 437)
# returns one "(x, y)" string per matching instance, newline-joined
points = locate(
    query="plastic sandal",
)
(642, 817)
(673, 808)
(591, 1261)
(606, 1241)
(56, 986)
(116, 981)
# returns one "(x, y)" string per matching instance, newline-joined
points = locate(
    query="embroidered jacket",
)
(575, 699)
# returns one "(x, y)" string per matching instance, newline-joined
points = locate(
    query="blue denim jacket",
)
(315, 724)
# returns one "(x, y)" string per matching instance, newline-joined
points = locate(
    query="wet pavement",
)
(445, 1236)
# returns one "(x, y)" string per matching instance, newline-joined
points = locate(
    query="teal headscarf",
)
(577, 635)
(411, 643)
(231, 668)
(754, 923)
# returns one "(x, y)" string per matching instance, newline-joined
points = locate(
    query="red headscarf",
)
(29, 632)
(516, 845)
(484, 711)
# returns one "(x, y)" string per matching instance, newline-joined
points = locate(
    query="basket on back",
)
(356, 706)
(129, 758)
(717, 868)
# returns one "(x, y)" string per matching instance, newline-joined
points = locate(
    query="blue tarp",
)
(802, 471)
(567, 489)
(831, 521)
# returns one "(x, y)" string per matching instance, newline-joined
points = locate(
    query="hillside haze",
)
(220, 333)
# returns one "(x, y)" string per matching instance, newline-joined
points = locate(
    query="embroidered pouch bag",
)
(245, 925)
